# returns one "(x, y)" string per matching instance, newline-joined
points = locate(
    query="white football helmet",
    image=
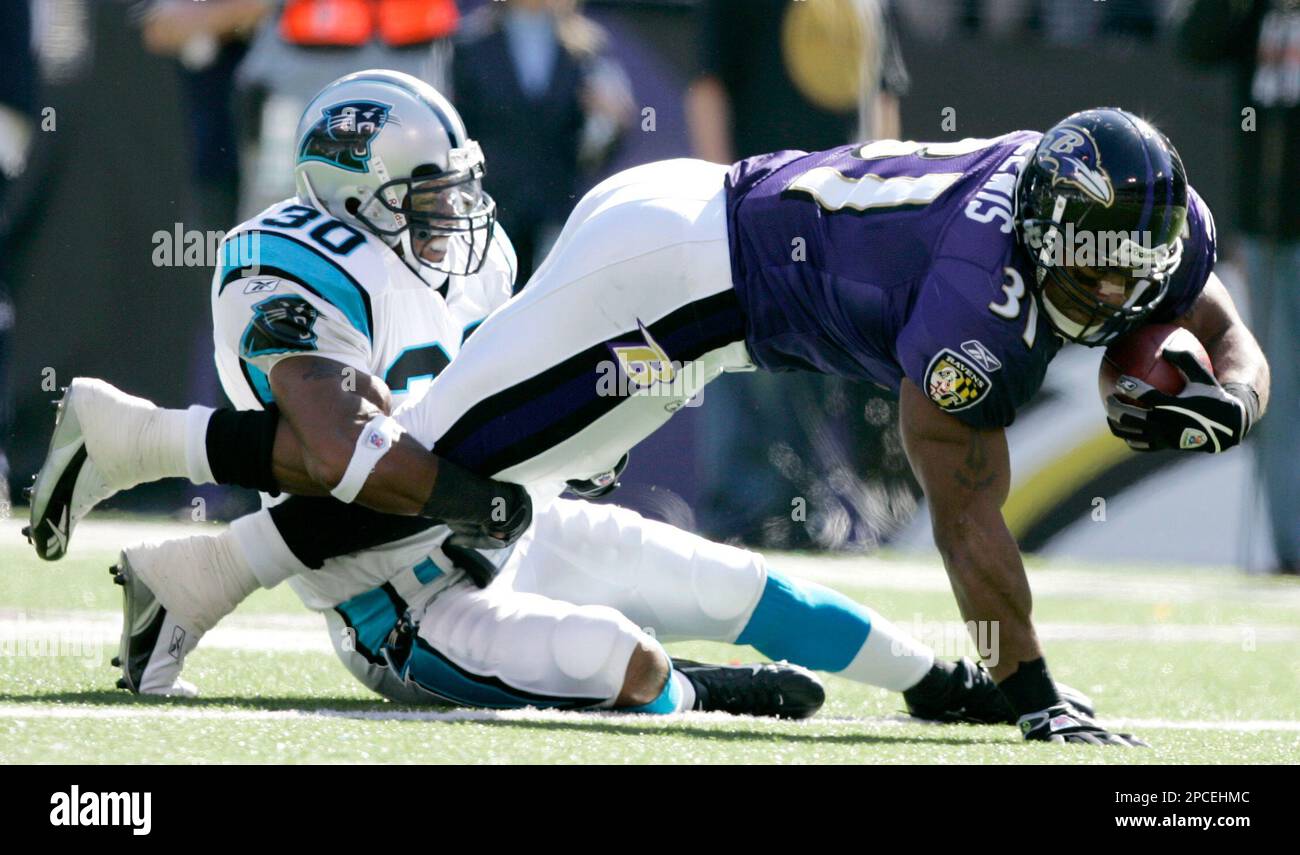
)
(385, 151)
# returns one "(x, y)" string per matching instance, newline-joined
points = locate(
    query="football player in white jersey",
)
(332, 308)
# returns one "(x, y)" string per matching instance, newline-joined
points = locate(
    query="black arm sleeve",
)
(240, 446)
(318, 528)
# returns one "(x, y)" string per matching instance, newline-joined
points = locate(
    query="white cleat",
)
(93, 454)
(154, 644)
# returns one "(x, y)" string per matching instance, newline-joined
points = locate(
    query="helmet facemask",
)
(443, 219)
(1102, 207)
(1071, 294)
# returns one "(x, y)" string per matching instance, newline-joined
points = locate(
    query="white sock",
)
(198, 579)
(263, 549)
(133, 441)
(196, 445)
(687, 689)
(172, 444)
(890, 658)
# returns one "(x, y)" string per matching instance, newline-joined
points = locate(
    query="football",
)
(1140, 354)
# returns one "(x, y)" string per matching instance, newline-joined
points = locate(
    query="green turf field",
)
(1201, 664)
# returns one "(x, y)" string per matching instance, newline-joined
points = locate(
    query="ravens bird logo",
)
(1074, 160)
(344, 133)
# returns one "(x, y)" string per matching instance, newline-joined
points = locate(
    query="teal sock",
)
(672, 699)
(807, 624)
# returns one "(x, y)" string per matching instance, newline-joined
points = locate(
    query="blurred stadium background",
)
(131, 132)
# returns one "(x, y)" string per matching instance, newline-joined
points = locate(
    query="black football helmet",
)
(1107, 180)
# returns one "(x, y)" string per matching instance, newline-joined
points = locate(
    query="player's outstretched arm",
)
(1236, 355)
(326, 408)
(966, 474)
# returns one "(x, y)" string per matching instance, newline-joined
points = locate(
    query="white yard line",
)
(1221, 726)
(189, 713)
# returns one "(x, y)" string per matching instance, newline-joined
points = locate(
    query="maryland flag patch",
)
(954, 383)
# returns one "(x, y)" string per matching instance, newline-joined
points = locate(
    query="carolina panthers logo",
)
(344, 134)
(1070, 154)
(280, 325)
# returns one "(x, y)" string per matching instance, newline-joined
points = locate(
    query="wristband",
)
(376, 439)
(1249, 398)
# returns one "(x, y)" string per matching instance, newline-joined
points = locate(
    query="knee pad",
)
(596, 642)
(727, 581)
(694, 587)
(656, 574)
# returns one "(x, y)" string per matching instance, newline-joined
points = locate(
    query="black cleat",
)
(776, 689)
(963, 692)
(122, 684)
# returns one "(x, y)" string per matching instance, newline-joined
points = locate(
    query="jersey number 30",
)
(336, 236)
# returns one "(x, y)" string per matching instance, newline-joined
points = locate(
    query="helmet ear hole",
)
(352, 204)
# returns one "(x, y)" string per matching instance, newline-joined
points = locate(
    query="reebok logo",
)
(261, 286)
(177, 646)
(983, 357)
(133, 810)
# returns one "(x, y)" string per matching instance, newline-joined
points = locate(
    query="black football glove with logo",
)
(1064, 724)
(1205, 416)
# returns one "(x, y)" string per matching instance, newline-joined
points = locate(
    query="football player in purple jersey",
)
(949, 273)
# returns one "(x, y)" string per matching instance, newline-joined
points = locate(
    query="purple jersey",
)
(894, 259)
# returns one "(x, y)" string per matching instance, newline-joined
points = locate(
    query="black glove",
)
(1205, 416)
(964, 691)
(1063, 723)
(482, 513)
(601, 485)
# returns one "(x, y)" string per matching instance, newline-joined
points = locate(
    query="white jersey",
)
(295, 281)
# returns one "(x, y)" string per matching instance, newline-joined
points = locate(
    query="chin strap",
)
(1067, 327)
